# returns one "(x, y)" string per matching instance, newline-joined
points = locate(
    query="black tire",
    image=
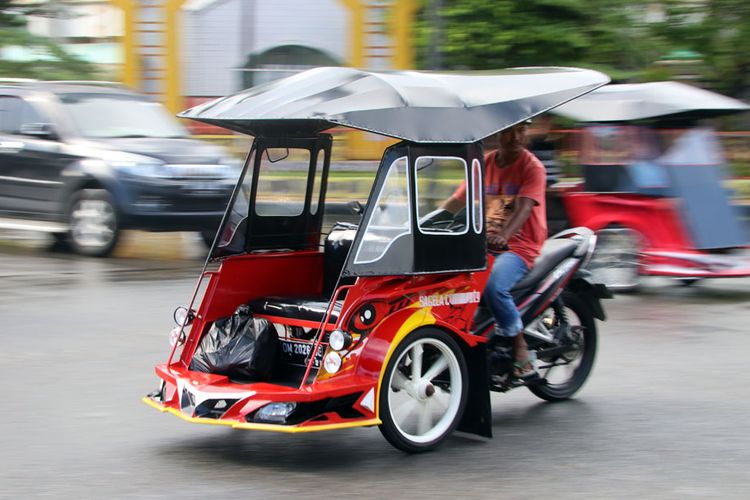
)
(581, 362)
(94, 223)
(59, 242)
(434, 394)
(616, 260)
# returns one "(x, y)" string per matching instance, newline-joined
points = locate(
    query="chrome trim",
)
(590, 250)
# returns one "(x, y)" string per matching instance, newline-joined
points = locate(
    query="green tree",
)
(720, 31)
(56, 63)
(7, 18)
(489, 34)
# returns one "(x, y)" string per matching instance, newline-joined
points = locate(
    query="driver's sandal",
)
(524, 372)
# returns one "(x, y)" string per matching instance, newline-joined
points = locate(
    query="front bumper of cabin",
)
(212, 399)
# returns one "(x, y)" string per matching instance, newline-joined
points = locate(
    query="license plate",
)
(203, 189)
(297, 353)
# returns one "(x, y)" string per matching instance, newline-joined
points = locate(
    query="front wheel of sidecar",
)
(424, 391)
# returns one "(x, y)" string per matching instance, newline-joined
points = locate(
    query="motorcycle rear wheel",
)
(563, 379)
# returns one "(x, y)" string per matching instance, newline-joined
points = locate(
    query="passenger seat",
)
(335, 250)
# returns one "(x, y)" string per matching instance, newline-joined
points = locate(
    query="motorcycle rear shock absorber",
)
(561, 316)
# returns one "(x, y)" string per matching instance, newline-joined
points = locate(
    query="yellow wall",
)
(403, 18)
(131, 70)
(360, 145)
(363, 145)
(172, 85)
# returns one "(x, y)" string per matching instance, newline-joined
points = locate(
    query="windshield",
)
(405, 230)
(104, 116)
(232, 237)
(390, 218)
(619, 144)
(278, 204)
(282, 182)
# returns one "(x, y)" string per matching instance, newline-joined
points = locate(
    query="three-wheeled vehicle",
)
(653, 187)
(378, 323)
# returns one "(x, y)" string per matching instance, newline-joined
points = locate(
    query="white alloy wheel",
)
(93, 223)
(424, 391)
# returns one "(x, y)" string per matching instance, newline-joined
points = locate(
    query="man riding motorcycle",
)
(515, 182)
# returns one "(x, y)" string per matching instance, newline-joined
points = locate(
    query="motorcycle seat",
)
(553, 252)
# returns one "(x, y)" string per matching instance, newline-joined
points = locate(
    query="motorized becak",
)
(653, 187)
(378, 323)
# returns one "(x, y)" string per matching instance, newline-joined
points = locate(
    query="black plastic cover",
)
(241, 347)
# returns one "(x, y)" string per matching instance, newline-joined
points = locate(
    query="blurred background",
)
(662, 416)
(184, 52)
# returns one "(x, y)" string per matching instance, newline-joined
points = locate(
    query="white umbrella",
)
(415, 106)
(641, 101)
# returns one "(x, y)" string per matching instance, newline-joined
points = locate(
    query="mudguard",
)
(583, 286)
(477, 417)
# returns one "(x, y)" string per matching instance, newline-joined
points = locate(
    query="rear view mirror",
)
(356, 207)
(275, 155)
(40, 130)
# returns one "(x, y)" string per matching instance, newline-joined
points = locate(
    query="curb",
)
(160, 246)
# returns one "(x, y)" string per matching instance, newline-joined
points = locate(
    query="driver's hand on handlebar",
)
(496, 239)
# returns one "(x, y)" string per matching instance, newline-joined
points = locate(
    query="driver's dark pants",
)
(507, 270)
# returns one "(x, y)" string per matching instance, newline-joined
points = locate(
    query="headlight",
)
(133, 164)
(183, 317)
(332, 362)
(339, 340)
(275, 413)
(176, 336)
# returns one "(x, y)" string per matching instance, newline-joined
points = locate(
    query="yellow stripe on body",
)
(259, 427)
(421, 317)
(310, 428)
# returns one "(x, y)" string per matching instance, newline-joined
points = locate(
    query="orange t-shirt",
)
(524, 177)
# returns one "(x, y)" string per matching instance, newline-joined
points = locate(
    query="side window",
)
(477, 203)
(437, 179)
(390, 216)
(607, 145)
(317, 180)
(10, 115)
(238, 214)
(29, 115)
(15, 113)
(282, 182)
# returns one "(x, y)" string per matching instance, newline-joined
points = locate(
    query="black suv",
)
(84, 160)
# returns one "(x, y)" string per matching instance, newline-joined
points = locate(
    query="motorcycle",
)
(559, 304)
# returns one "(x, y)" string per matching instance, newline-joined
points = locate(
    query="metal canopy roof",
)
(411, 105)
(641, 101)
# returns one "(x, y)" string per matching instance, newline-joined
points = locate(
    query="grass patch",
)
(740, 188)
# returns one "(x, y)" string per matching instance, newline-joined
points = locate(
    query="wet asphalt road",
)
(664, 415)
